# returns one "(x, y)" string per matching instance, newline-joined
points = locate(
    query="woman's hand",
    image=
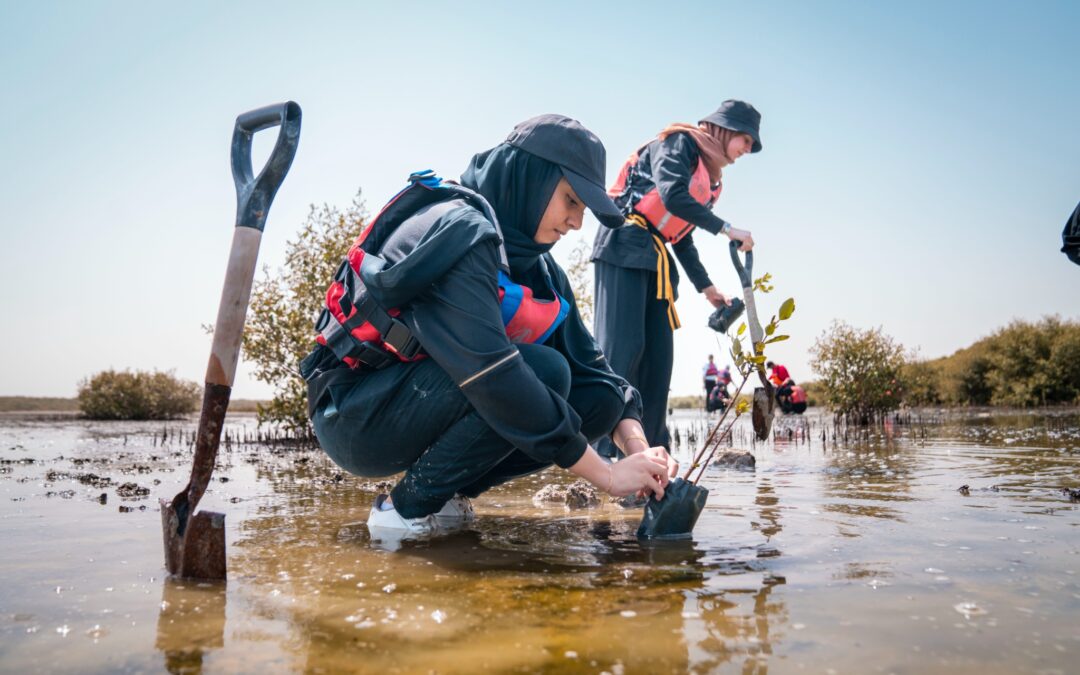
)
(744, 236)
(661, 454)
(639, 473)
(715, 297)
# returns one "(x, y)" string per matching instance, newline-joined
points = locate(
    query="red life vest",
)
(362, 333)
(711, 370)
(652, 207)
(798, 394)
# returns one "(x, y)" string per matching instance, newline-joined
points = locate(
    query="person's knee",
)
(600, 413)
(549, 365)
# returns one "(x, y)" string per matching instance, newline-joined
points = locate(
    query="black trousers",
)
(423, 425)
(632, 328)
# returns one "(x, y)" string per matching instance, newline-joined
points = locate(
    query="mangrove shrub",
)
(123, 395)
(860, 371)
(281, 318)
(1023, 364)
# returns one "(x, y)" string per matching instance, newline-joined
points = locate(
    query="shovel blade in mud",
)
(762, 412)
(674, 516)
(197, 551)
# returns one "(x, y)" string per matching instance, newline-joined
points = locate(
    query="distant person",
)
(719, 398)
(778, 374)
(665, 190)
(1070, 237)
(711, 375)
(781, 379)
(795, 402)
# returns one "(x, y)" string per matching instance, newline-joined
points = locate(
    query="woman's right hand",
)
(639, 472)
(744, 236)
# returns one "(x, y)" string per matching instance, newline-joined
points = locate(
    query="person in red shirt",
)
(778, 374)
(780, 377)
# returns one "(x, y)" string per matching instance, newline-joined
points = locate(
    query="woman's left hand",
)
(714, 296)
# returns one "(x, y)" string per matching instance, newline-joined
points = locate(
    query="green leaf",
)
(778, 338)
(742, 328)
(770, 329)
(787, 309)
(758, 359)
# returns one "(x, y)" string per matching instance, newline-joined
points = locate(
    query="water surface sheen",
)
(838, 554)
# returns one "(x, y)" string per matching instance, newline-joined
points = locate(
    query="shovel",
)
(764, 399)
(195, 542)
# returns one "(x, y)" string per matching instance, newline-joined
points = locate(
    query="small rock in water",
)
(631, 501)
(1073, 495)
(578, 495)
(964, 490)
(582, 495)
(743, 461)
(132, 490)
(550, 494)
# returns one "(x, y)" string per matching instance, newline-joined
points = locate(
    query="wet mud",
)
(844, 550)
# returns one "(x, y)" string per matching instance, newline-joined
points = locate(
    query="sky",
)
(920, 158)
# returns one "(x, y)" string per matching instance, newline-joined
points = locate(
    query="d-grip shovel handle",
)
(254, 195)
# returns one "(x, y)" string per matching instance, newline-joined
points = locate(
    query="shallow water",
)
(836, 555)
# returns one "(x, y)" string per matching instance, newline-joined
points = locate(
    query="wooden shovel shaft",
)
(229, 328)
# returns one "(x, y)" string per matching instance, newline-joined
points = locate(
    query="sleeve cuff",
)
(569, 454)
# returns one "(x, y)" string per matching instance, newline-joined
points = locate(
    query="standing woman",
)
(451, 348)
(665, 190)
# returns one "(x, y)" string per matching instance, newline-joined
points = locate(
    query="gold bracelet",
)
(610, 478)
(640, 438)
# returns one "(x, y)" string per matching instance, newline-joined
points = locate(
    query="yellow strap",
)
(664, 291)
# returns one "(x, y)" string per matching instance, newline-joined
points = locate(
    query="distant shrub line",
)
(125, 395)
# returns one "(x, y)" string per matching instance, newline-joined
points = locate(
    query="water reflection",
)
(522, 588)
(191, 624)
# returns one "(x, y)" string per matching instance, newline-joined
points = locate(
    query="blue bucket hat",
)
(738, 116)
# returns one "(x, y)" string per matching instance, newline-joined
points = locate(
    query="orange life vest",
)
(671, 227)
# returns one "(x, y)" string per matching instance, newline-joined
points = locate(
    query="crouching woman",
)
(451, 347)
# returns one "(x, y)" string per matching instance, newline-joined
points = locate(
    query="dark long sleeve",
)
(459, 324)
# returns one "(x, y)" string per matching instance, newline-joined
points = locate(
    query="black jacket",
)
(1070, 237)
(458, 321)
(668, 166)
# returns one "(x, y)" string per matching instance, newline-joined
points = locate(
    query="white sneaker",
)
(392, 523)
(455, 512)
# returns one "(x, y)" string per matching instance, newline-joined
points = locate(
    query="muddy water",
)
(836, 555)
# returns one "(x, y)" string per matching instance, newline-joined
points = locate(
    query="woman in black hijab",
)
(512, 382)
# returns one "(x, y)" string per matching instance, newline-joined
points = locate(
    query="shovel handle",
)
(255, 194)
(253, 198)
(746, 272)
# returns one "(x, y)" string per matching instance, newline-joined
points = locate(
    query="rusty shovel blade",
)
(198, 552)
(195, 542)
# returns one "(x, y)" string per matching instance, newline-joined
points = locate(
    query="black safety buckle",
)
(400, 338)
(373, 357)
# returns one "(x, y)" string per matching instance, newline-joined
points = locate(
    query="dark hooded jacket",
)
(668, 166)
(457, 317)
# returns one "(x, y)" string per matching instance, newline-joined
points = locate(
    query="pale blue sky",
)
(920, 158)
